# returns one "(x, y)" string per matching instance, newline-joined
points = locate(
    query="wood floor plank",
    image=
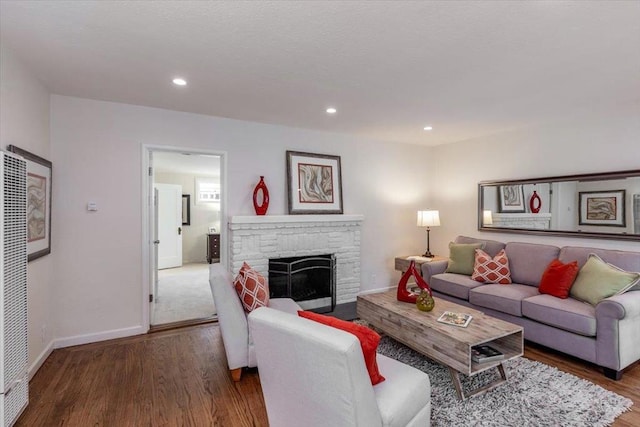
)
(180, 378)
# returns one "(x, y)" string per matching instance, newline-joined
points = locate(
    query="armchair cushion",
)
(369, 340)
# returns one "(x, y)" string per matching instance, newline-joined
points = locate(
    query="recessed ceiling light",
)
(331, 110)
(179, 82)
(428, 127)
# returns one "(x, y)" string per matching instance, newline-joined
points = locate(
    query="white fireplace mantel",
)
(256, 239)
(539, 221)
(293, 219)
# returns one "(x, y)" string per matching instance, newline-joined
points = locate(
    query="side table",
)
(402, 262)
(213, 247)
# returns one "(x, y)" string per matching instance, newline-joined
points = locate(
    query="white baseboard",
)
(40, 360)
(100, 336)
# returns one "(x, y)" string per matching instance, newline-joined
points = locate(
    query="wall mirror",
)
(601, 205)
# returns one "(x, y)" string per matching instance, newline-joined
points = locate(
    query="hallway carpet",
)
(183, 294)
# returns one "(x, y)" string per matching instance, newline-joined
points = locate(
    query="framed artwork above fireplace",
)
(314, 183)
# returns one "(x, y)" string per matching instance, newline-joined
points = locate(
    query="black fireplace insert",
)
(308, 280)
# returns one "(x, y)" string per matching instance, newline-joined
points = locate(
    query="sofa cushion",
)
(598, 280)
(568, 314)
(369, 340)
(455, 285)
(626, 260)
(492, 247)
(252, 288)
(558, 278)
(529, 260)
(507, 299)
(462, 257)
(491, 270)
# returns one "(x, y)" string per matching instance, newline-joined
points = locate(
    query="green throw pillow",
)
(462, 257)
(598, 280)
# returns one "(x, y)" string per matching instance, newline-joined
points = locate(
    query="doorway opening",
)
(184, 212)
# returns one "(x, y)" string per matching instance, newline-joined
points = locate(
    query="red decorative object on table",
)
(403, 293)
(262, 208)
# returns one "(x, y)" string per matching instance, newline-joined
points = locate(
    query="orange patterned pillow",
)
(491, 270)
(252, 288)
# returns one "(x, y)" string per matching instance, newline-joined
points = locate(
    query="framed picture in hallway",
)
(38, 203)
(314, 183)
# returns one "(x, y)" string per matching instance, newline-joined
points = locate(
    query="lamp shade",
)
(428, 218)
(487, 218)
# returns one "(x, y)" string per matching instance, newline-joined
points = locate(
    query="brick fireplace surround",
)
(255, 239)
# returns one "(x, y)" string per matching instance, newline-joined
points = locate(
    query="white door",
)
(169, 225)
(156, 242)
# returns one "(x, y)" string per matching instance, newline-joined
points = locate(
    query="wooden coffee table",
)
(447, 344)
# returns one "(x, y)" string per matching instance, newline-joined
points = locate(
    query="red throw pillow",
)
(491, 270)
(252, 288)
(558, 278)
(369, 340)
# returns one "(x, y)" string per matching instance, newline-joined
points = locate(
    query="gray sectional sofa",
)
(607, 334)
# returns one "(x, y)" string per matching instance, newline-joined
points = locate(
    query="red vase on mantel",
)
(261, 209)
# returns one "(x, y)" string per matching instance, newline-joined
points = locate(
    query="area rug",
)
(535, 395)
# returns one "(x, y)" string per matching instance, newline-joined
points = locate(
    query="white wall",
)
(96, 149)
(24, 122)
(203, 216)
(593, 142)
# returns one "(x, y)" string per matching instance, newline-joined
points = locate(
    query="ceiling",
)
(467, 68)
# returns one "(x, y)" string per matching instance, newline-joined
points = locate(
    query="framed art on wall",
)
(186, 209)
(314, 183)
(511, 199)
(602, 208)
(38, 203)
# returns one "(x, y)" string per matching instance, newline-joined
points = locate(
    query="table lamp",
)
(429, 218)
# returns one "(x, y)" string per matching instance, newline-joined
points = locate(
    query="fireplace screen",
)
(310, 281)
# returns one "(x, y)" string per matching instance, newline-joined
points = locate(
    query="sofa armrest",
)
(432, 268)
(622, 306)
(617, 320)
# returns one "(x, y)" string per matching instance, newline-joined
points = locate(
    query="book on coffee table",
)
(456, 319)
(485, 353)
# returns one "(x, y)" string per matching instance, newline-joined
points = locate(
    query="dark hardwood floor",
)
(180, 378)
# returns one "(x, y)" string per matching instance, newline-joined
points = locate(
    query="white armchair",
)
(314, 375)
(232, 319)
